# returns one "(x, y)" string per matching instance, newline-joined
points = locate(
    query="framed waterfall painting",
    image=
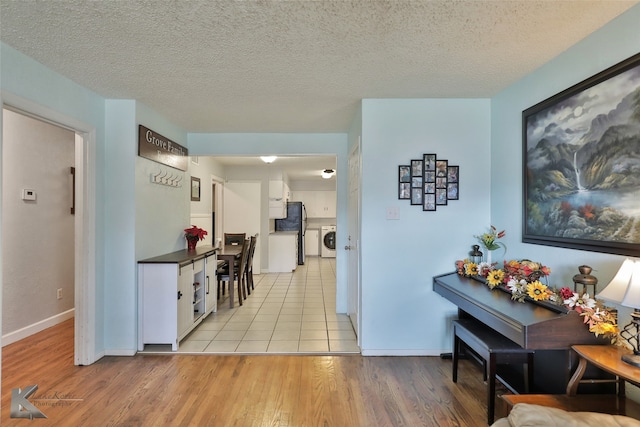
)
(581, 164)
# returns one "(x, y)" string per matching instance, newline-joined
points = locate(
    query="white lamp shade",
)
(624, 288)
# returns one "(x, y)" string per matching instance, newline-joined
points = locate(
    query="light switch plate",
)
(393, 212)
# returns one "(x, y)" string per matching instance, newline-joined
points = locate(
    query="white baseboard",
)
(119, 352)
(27, 331)
(402, 352)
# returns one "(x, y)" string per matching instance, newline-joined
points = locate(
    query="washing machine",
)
(328, 241)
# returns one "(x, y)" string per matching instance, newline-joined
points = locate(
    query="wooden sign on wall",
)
(153, 146)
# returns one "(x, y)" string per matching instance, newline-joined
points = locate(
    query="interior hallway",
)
(286, 313)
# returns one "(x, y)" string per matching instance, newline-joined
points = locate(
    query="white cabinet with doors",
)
(319, 204)
(175, 295)
(278, 197)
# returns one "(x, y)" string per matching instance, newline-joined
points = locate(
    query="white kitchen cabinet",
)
(175, 295)
(278, 196)
(311, 242)
(319, 204)
(283, 251)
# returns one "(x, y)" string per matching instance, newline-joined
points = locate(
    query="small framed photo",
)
(441, 182)
(416, 181)
(429, 202)
(441, 196)
(404, 173)
(452, 191)
(416, 168)
(195, 160)
(195, 189)
(430, 188)
(441, 168)
(404, 191)
(416, 196)
(452, 173)
(429, 161)
(430, 176)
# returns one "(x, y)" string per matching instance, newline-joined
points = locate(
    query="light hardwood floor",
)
(237, 390)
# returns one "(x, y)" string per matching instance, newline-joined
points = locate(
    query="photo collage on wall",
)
(428, 182)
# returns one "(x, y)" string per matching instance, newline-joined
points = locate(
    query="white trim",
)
(27, 331)
(404, 352)
(119, 352)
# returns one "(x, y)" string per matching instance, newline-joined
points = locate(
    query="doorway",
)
(83, 229)
(37, 186)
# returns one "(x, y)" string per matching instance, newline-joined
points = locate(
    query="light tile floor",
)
(285, 313)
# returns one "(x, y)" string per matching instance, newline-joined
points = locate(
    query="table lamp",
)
(624, 289)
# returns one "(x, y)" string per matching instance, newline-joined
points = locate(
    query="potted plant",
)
(193, 235)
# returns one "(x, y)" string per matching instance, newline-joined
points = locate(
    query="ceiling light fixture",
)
(268, 159)
(328, 173)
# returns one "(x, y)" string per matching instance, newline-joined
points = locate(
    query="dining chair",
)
(230, 274)
(234, 238)
(249, 267)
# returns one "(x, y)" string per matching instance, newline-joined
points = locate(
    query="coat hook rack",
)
(167, 178)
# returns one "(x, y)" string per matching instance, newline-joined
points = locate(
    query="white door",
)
(353, 241)
(241, 212)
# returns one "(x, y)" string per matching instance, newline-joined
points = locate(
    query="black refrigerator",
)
(296, 220)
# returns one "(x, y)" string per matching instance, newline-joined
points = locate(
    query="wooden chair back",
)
(234, 238)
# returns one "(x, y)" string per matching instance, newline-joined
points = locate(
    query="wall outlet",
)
(59, 293)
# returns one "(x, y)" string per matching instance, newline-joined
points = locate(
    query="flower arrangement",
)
(193, 235)
(489, 240)
(522, 278)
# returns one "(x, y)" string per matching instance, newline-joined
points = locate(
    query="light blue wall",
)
(130, 219)
(217, 144)
(400, 312)
(120, 287)
(39, 90)
(162, 213)
(613, 43)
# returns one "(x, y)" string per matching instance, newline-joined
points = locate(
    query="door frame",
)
(354, 277)
(84, 220)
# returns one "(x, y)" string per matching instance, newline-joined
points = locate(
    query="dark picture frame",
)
(429, 202)
(416, 196)
(195, 189)
(404, 191)
(404, 173)
(429, 182)
(581, 185)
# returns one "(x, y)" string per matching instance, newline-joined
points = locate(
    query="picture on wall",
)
(428, 182)
(195, 189)
(581, 164)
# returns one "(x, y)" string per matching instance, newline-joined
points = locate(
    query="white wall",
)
(38, 239)
(400, 312)
(613, 43)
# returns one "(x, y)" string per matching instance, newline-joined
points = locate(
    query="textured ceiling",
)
(294, 66)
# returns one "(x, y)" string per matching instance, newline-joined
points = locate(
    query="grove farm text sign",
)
(153, 146)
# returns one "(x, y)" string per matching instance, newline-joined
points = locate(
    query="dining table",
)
(229, 254)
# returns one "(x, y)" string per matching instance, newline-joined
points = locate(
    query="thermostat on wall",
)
(28, 194)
